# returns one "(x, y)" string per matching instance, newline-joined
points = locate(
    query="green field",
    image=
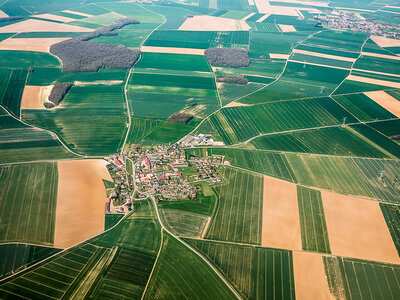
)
(141, 128)
(345, 175)
(258, 273)
(388, 128)
(363, 107)
(28, 206)
(111, 220)
(239, 124)
(173, 62)
(198, 39)
(314, 234)
(392, 217)
(91, 120)
(238, 214)
(321, 60)
(177, 275)
(360, 279)
(116, 264)
(16, 257)
(378, 64)
(182, 223)
(11, 97)
(340, 141)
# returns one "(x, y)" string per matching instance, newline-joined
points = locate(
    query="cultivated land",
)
(80, 189)
(281, 225)
(357, 228)
(277, 180)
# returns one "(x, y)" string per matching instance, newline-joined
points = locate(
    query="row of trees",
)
(227, 57)
(180, 117)
(80, 55)
(234, 79)
(59, 90)
(12, 18)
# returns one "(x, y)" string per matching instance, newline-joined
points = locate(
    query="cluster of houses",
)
(355, 22)
(207, 167)
(157, 172)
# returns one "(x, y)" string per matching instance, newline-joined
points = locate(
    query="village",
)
(162, 172)
(356, 22)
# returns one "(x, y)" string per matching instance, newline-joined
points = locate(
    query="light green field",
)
(28, 203)
(183, 223)
(238, 214)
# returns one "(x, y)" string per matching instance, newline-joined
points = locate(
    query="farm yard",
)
(250, 150)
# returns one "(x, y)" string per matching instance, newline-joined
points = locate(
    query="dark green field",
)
(258, 273)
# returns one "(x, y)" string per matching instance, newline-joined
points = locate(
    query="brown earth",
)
(281, 223)
(385, 42)
(210, 23)
(287, 28)
(317, 54)
(309, 276)
(81, 201)
(374, 81)
(31, 97)
(55, 18)
(386, 101)
(357, 228)
(30, 44)
(32, 25)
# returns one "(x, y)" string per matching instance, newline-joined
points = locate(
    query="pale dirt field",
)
(385, 42)
(81, 201)
(381, 55)
(357, 228)
(78, 13)
(359, 16)
(210, 23)
(55, 18)
(263, 6)
(287, 28)
(31, 97)
(30, 44)
(309, 276)
(278, 56)
(32, 25)
(281, 223)
(3, 14)
(374, 81)
(311, 53)
(248, 16)
(264, 17)
(235, 104)
(172, 50)
(386, 101)
(313, 3)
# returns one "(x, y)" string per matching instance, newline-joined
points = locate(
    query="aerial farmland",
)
(200, 149)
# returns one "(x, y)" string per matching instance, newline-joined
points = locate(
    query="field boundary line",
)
(352, 65)
(130, 73)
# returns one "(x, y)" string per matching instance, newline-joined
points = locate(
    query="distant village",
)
(356, 22)
(161, 171)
